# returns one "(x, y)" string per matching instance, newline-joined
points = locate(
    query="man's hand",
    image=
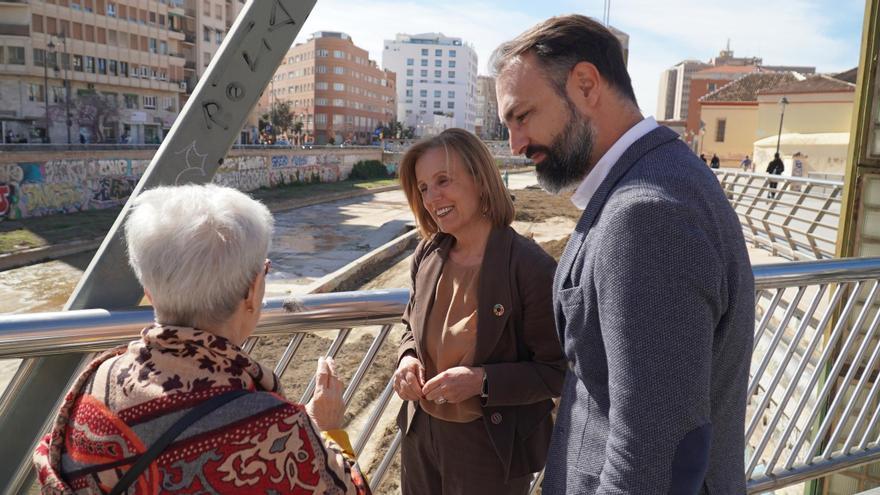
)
(454, 385)
(409, 378)
(326, 407)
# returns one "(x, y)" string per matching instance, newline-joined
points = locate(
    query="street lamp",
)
(782, 102)
(50, 47)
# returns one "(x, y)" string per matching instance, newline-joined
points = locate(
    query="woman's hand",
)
(326, 407)
(454, 385)
(409, 378)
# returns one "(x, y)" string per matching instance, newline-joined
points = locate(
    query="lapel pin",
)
(498, 309)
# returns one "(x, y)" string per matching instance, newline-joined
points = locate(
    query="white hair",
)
(197, 249)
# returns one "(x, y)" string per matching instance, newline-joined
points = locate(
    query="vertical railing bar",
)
(792, 386)
(789, 352)
(826, 388)
(777, 337)
(850, 374)
(22, 374)
(533, 488)
(863, 413)
(863, 443)
(249, 344)
(289, 353)
(379, 475)
(768, 313)
(331, 352)
(365, 364)
(373, 420)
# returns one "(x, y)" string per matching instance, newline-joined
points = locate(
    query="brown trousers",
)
(443, 458)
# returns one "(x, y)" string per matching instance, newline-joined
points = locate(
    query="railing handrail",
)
(43, 334)
(803, 180)
(89, 330)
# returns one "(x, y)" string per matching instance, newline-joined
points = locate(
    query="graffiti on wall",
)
(32, 189)
(66, 185)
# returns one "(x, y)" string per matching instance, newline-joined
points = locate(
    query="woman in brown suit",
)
(480, 360)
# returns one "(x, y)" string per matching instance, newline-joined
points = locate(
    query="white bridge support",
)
(192, 152)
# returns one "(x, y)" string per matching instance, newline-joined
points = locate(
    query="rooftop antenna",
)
(606, 13)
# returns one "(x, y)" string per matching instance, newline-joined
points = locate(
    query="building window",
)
(339, 69)
(320, 118)
(410, 61)
(321, 69)
(409, 72)
(423, 93)
(218, 37)
(437, 93)
(90, 65)
(338, 87)
(424, 52)
(169, 104)
(409, 93)
(438, 74)
(35, 92)
(423, 73)
(436, 104)
(451, 94)
(123, 69)
(409, 82)
(322, 53)
(452, 53)
(452, 64)
(39, 57)
(438, 63)
(206, 34)
(102, 66)
(720, 129)
(131, 101)
(711, 87)
(424, 62)
(338, 54)
(154, 46)
(57, 94)
(338, 102)
(163, 47)
(438, 52)
(114, 67)
(149, 102)
(321, 102)
(450, 105)
(452, 74)
(321, 85)
(15, 55)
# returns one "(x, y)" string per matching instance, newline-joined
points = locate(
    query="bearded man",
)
(654, 294)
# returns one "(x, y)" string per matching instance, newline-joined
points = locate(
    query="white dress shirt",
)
(585, 191)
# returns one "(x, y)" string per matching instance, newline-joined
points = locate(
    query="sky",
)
(825, 34)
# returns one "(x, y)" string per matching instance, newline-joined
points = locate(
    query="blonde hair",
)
(495, 200)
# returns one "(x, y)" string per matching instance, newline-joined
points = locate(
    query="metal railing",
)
(791, 217)
(813, 389)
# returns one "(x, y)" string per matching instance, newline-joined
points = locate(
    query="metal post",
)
(66, 86)
(50, 46)
(199, 140)
(783, 102)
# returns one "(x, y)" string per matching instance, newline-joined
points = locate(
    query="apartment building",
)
(487, 125)
(93, 70)
(438, 77)
(334, 89)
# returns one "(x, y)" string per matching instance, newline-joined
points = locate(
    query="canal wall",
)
(39, 183)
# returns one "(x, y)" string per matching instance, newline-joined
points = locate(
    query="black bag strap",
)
(159, 446)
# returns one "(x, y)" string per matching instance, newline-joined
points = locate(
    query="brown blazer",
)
(517, 342)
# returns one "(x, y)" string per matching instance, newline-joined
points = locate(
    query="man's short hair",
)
(560, 43)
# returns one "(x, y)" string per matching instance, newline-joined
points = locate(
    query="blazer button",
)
(498, 309)
(495, 418)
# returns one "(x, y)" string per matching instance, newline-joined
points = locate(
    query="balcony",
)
(15, 30)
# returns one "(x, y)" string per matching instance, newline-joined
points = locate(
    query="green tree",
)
(279, 116)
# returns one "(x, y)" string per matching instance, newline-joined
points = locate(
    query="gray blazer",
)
(654, 304)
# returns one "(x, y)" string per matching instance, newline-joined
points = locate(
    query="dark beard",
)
(566, 160)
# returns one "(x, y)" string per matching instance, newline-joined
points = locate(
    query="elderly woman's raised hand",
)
(409, 378)
(326, 407)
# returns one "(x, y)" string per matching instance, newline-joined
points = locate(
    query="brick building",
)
(334, 89)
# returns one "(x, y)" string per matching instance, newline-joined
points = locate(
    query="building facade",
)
(334, 89)
(675, 85)
(94, 70)
(487, 126)
(437, 75)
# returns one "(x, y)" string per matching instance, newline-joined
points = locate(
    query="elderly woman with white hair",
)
(184, 409)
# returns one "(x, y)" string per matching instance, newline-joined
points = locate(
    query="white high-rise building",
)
(436, 76)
